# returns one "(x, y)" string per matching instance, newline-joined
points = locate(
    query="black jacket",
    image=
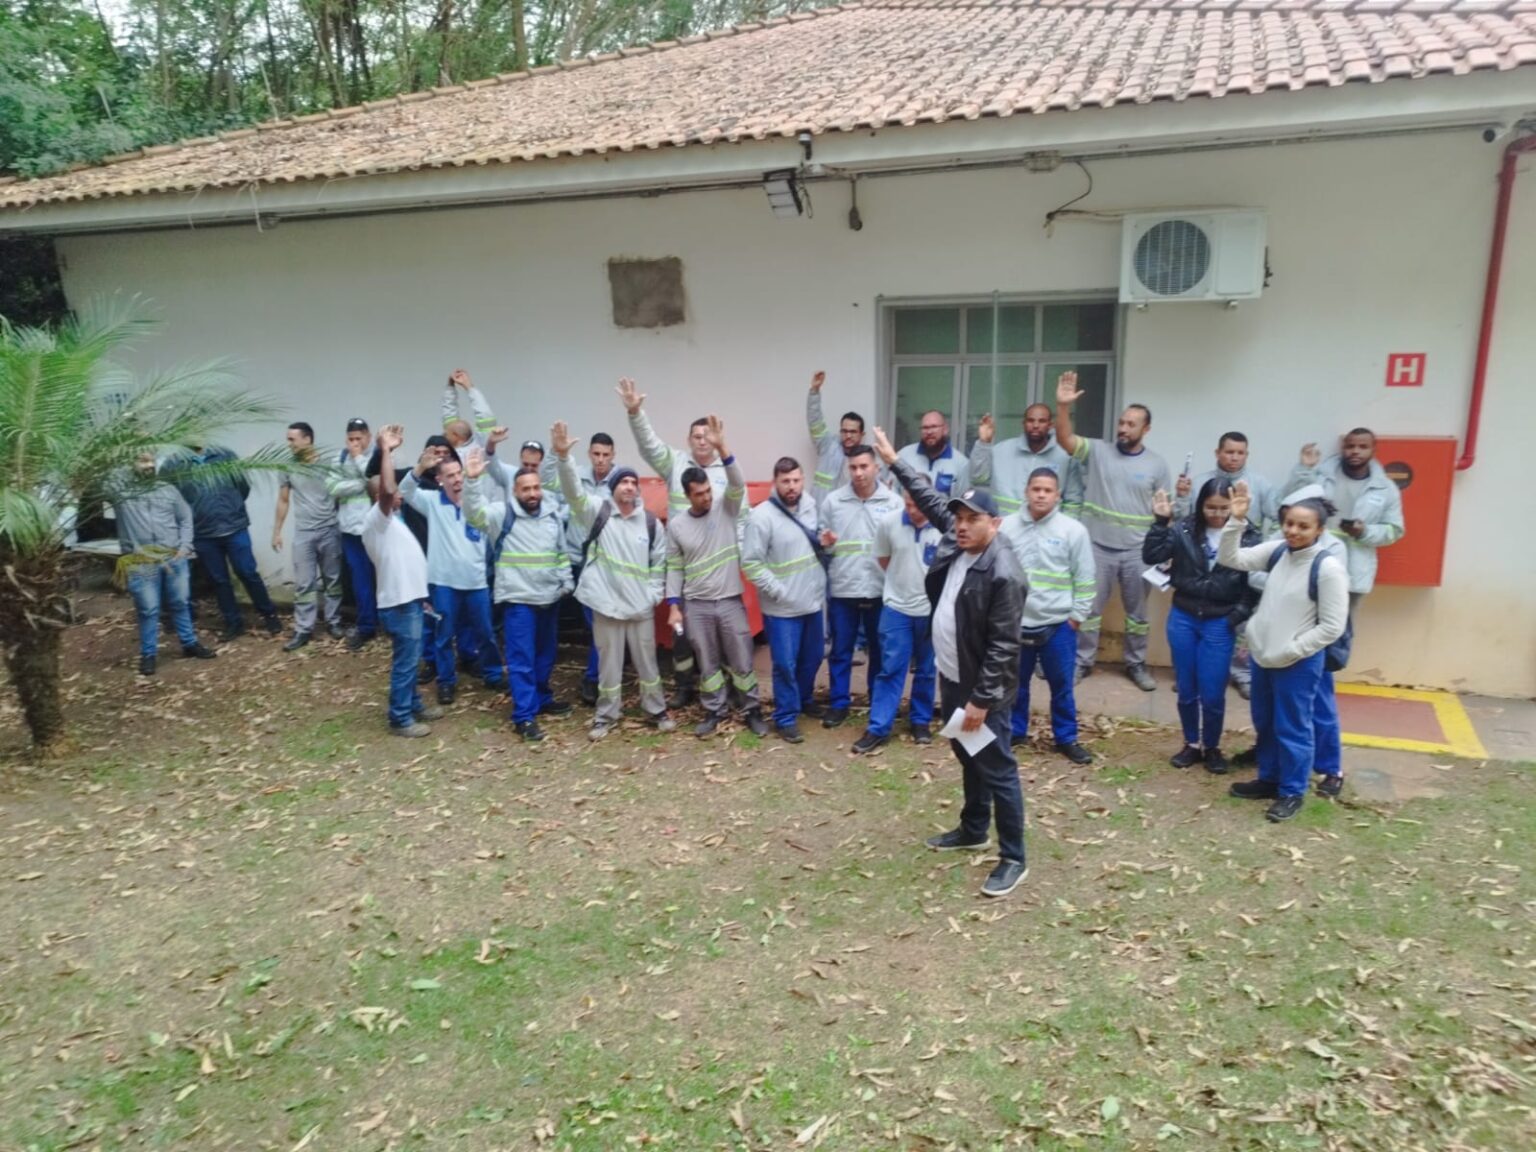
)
(1201, 587)
(988, 609)
(218, 507)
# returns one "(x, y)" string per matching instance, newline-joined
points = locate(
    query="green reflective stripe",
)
(1092, 623)
(782, 567)
(1080, 453)
(304, 597)
(1053, 575)
(709, 563)
(1084, 586)
(818, 429)
(852, 547)
(676, 500)
(541, 565)
(1136, 627)
(620, 567)
(712, 682)
(1133, 519)
(656, 683)
(824, 478)
(485, 423)
(362, 498)
(614, 691)
(1007, 503)
(744, 683)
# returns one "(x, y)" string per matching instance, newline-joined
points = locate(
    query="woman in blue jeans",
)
(1209, 602)
(1304, 609)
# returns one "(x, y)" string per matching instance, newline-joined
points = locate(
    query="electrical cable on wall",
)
(1050, 217)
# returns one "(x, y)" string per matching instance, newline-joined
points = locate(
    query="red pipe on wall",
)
(1512, 155)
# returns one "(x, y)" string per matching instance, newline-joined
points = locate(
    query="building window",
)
(998, 356)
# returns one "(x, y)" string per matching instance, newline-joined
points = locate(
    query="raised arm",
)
(1067, 394)
(560, 443)
(981, 452)
(815, 418)
(1230, 552)
(1157, 546)
(653, 450)
(735, 479)
(1306, 470)
(479, 509)
(391, 436)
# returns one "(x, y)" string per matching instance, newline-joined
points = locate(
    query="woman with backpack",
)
(1303, 610)
(1209, 603)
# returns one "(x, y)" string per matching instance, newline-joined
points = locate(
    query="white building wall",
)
(1376, 247)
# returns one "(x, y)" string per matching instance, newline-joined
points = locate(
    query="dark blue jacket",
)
(217, 509)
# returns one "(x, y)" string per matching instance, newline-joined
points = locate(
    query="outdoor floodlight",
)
(783, 193)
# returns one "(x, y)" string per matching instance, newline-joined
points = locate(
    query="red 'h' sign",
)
(1405, 369)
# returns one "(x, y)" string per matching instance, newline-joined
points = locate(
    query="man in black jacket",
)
(221, 538)
(977, 592)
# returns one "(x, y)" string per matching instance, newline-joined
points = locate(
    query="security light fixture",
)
(783, 193)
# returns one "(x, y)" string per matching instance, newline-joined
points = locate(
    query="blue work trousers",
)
(465, 614)
(795, 644)
(532, 634)
(591, 672)
(218, 554)
(1202, 663)
(151, 585)
(360, 573)
(1328, 753)
(1284, 706)
(1058, 656)
(847, 616)
(905, 641)
(403, 624)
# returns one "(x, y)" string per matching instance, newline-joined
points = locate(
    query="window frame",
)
(890, 362)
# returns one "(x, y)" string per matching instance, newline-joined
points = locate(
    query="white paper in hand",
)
(972, 742)
(1157, 579)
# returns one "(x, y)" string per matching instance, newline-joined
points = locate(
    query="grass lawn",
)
(242, 916)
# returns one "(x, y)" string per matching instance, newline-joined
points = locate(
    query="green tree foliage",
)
(80, 81)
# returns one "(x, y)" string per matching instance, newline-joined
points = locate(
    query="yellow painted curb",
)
(1461, 736)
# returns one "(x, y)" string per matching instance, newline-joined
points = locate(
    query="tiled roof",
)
(876, 64)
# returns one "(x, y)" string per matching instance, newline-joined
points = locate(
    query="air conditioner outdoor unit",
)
(1215, 255)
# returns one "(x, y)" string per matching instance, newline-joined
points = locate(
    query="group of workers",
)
(963, 574)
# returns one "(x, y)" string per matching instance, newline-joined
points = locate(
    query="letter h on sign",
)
(1405, 369)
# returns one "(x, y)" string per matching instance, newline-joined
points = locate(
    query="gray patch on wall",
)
(647, 293)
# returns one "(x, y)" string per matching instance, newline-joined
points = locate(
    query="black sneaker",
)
(834, 718)
(557, 708)
(1284, 808)
(1186, 756)
(1255, 790)
(812, 709)
(445, 694)
(198, 651)
(790, 734)
(234, 632)
(1215, 763)
(1075, 753)
(921, 734)
(755, 722)
(868, 743)
(146, 665)
(299, 640)
(1247, 758)
(681, 698)
(1329, 787)
(356, 639)
(1007, 876)
(426, 673)
(708, 726)
(1138, 675)
(273, 625)
(530, 731)
(588, 692)
(957, 839)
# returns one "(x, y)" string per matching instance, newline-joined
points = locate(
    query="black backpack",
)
(601, 521)
(1336, 655)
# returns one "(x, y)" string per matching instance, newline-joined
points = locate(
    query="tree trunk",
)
(34, 669)
(519, 37)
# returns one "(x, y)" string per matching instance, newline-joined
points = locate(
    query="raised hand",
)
(1310, 455)
(1067, 391)
(633, 398)
(459, 379)
(1162, 507)
(715, 434)
(497, 434)
(1241, 500)
(560, 439)
(828, 539)
(429, 459)
(817, 381)
(391, 436)
(1183, 486)
(986, 429)
(883, 447)
(474, 463)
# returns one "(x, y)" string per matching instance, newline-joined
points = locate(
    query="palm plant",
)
(71, 422)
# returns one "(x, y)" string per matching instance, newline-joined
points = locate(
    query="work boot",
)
(1329, 787)
(921, 734)
(1255, 790)
(663, 723)
(1247, 758)
(530, 731)
(1076, 753)
(273, 625)
(299, 640)
(755, 722)
(1138, 675)
(557, 708)
(426, 673)
(446, 694)
(198, 651)
(411, 731)
(834, 718)
(588, 692)
(1186, 756)
(709, 725)
(869, 742)
(233, 631)
(682, 696)
(1215, 762)
(432, 712)
(336, 631)
(356, 639)
(790, 734)
(813, 710)
(146, 665)
(1284, 808)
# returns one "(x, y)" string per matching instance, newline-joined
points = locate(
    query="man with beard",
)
(1005, 468)
(532, 573)
(1119, 483)
(935, 457)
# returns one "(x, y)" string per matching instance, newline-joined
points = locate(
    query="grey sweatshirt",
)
(531, 566)
(1117, 492)
(156, 517)
(625, 572)
(855, 574)
(703, 558)
(1379, 507)
(777, 556)
(1004, 468)
(1287, 626)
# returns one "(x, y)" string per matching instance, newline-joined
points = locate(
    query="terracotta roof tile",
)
(862, 65)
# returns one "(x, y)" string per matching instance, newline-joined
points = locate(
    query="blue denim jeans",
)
(218, 554)
(532, 633)
(150, 585)
(1058, 656)
(360, 573)
(402, 623)
(847, 616)
(463, 614)
(1284, 706)
(990, 779)
(795, 643)
(903, 639)
(1202, 662)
